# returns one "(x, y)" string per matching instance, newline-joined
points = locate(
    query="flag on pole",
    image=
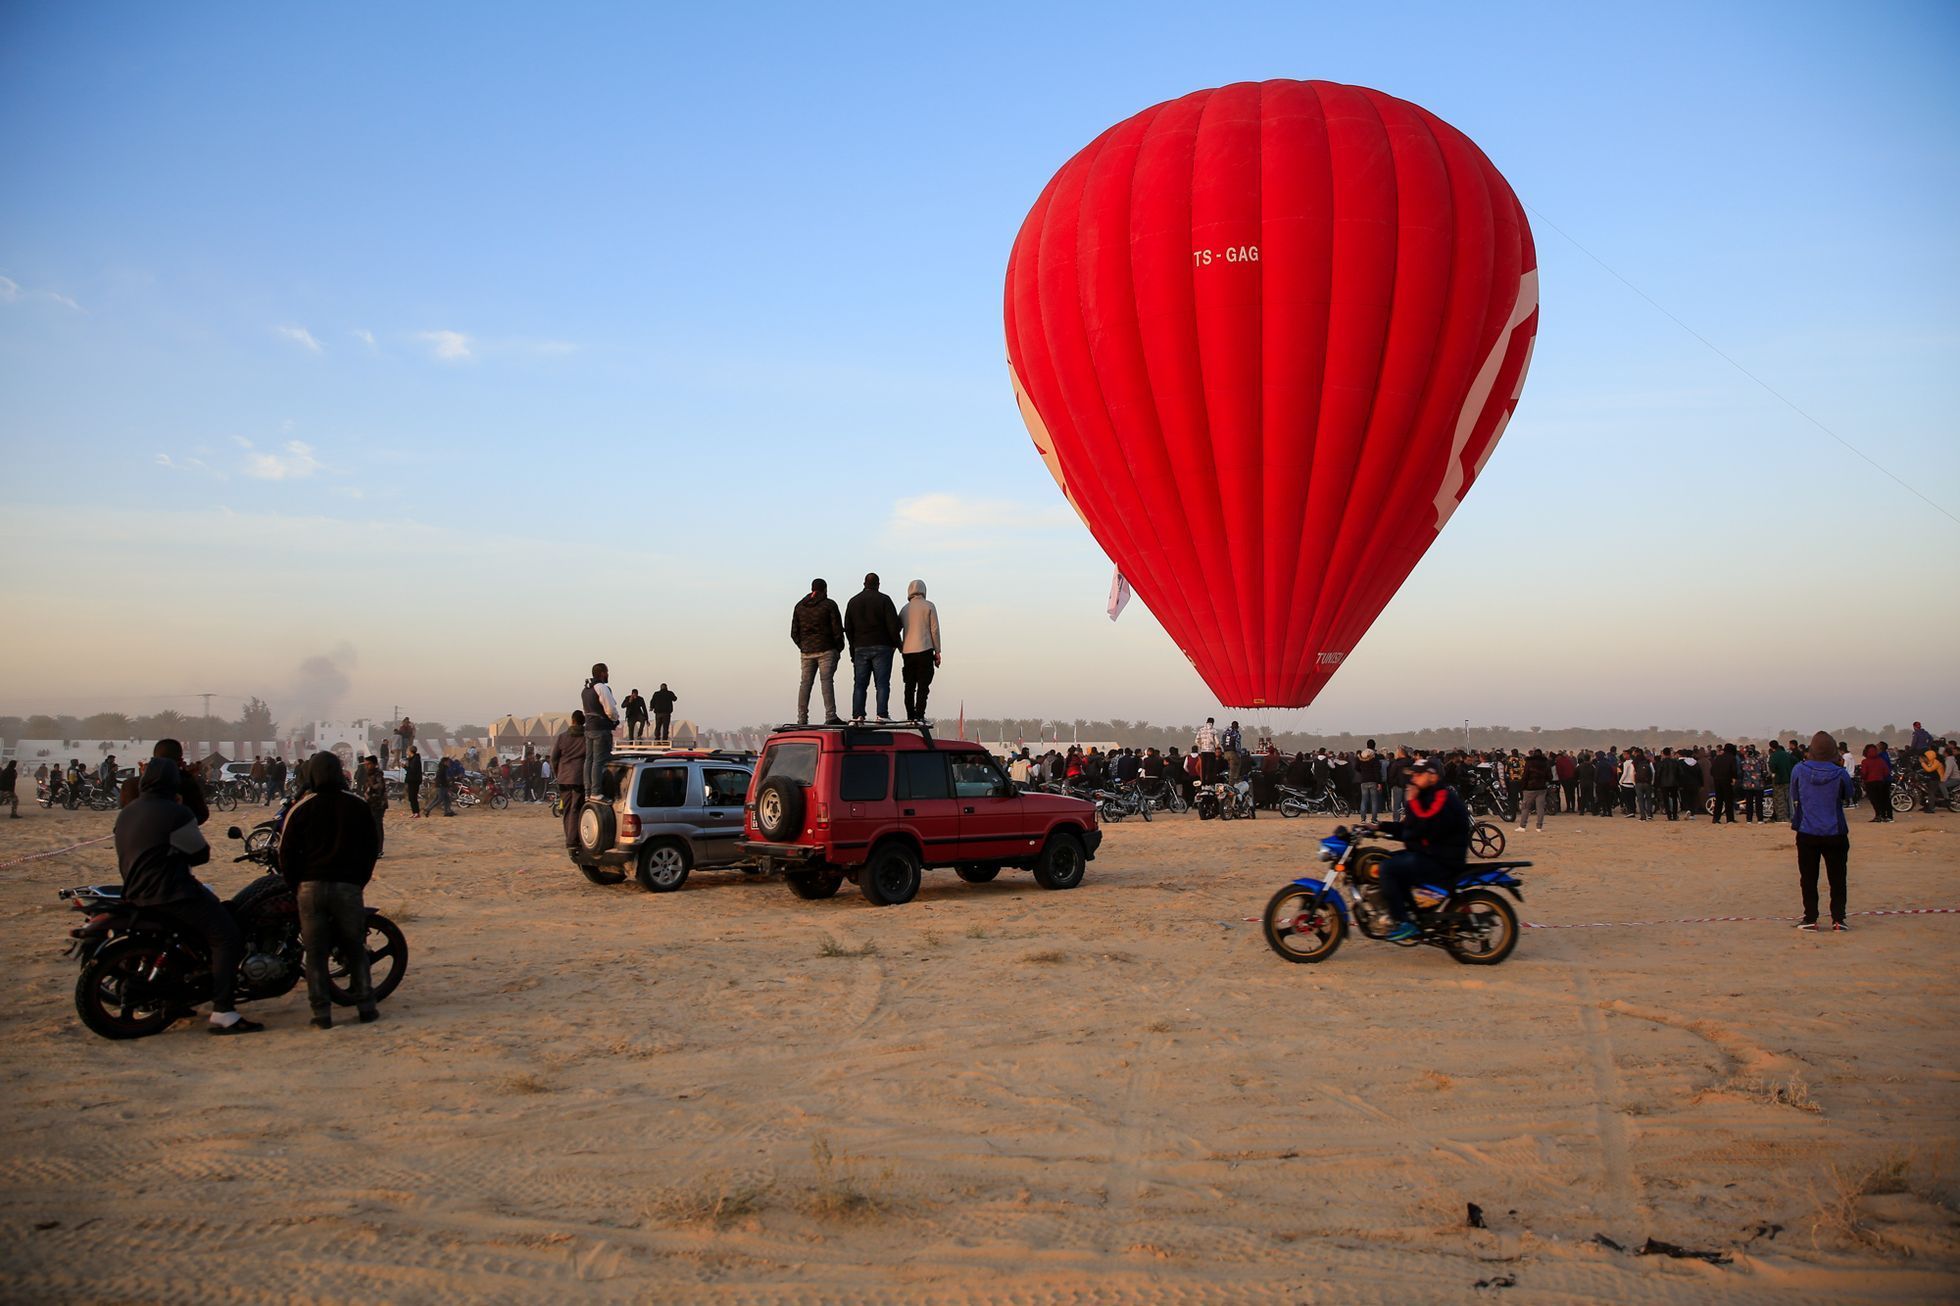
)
(1119, 596)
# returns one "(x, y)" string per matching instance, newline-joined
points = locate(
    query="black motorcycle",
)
(141, 972)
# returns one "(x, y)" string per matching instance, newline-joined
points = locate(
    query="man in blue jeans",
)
(601, 719)
(871, 626)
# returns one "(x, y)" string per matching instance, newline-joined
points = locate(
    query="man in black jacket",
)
(412, 784)
(157, 843)
(635, 710)
(663, 701)
(871, 626)
(326, 852)
(1435, 835)
(568, 769)
(189, 792)
(817, 630)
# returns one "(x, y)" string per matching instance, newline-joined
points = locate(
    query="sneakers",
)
(239, 1026)
(1520, 829)
(1403, 932)
(1839, 927)
(1809, 927)
(321, 1022)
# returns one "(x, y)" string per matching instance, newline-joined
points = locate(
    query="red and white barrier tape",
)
(1706, 920)
(55, 852)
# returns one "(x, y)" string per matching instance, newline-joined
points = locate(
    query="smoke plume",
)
(321, 683)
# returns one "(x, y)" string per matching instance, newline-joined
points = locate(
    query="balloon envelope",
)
(1265, 337)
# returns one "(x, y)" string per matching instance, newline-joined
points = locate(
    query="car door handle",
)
(967, 810)
(910, 812)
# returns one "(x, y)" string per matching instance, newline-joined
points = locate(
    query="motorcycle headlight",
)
(1326, 855)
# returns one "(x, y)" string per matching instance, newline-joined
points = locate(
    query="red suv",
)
(875, 805)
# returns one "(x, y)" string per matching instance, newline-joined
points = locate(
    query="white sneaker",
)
(1520, 829)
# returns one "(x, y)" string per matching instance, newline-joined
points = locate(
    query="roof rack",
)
(647, 748)
(923, 729)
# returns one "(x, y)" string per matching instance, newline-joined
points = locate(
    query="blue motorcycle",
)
(1306, 920)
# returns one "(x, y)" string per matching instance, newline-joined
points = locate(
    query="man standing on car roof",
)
(921, 648)
(817, 630)
(871, 626)
(663, 713)
(601, 719)
(635, 709)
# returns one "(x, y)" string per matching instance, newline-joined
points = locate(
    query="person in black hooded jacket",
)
(327, 851)
(817, 630)
(871, 626)
(157, 843)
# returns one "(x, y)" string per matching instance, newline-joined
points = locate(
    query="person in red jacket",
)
(1876, 772)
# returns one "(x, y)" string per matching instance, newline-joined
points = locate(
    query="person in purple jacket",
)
(1819, 790)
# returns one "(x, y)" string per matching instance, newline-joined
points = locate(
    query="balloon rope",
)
(1774, 392)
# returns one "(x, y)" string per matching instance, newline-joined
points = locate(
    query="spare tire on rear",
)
(597, 827)
(779, 809)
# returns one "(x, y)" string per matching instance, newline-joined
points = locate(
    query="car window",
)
(796, 761)
(976, 776)
(725, 787)
(922, 775)
(866, 778)
(663, 786)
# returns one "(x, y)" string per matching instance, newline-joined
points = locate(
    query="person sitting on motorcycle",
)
(1435, 833)
(157, 843)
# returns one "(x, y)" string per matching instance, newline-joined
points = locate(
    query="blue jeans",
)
(1406, 869)
(598, 750)
(1371, 801)
(871, 660)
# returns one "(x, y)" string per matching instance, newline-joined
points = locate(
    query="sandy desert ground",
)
(995, 1093)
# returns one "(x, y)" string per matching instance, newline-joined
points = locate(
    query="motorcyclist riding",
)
(1435, 833)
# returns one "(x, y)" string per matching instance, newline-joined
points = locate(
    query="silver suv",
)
(664, 812)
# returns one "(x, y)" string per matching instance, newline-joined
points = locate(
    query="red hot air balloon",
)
(1265, 337)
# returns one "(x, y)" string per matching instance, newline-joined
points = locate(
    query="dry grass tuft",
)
(1837, 1208)
(976, 932)
(719, 1200)
(832, 948)
(525, 1084)
(839, 1192)
(1048, 957)
(1159, 1026)
(1439, 1081)
(1791, 1092)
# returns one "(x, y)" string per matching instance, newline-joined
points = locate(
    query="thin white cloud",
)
(241, 442)
(63, 300)
(12, 292)
(363, 335)
(295, 463)
(163, 460)
(448, 346)
(300, 336)
(9, 290)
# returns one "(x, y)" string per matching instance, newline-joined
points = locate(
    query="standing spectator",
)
(601, 719)
(1782, 761)
(190, 792)
(374, 792)
(1819, 788)
(257, 778)
(1691, 779)
(412, 784)
(327, 850)
(157, 843)
(1536, 777)
(1368, 773)
(1753, 773)
(1922, 738)
(871, 627)
(9, 776)
(663, 713)
(1667, 779)
(817, 630)
(445, 782)
(1233, 743)
(1724, 769)
(275, 779)
(405, 733)
(1206, 748)
(1875, 769)
(1584, 779)
(1396, 780)
(921, 648)
(568, 764)
(1566, 770)
(635, 709)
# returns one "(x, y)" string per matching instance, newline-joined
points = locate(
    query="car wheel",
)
(978, 874)
(813, 885)
(890, 877)
(663, 866)
(779, 809)
(597, 827)
(1062, 862)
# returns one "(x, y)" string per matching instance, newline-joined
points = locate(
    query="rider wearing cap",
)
(1435, 833)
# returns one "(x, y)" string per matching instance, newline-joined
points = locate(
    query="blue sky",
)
(470, 343)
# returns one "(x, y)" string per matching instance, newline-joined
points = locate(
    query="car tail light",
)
(823, 816)
(629, 826)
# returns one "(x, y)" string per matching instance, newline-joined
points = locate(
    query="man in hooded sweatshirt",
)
(327, 850)
(157, 843)
(920, 646)
(871, 627)
(1819, 790)
(817, 629)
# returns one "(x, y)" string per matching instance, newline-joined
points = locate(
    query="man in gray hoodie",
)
(920, 646)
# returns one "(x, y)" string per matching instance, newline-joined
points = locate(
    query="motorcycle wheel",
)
(115, 997)
(387, 963)
(1143, 809)
(261, 838)
(500, 801)
(224, 800)
(1299, 933)
(1109, 812)
(1482, 928)
(1903, 798)
(1292, 807)
(1177, 806)
(1486, 840)
(1207, 806)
